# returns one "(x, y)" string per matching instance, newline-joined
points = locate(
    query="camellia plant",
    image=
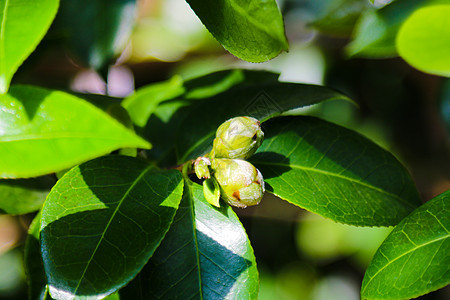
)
(139, 192)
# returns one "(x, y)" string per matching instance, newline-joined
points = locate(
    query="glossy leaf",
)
(252, 31)
(22, 196)
(169, 114)
(424, 40)
(23, 25)
(262, 100)
(211, 191)
(96, 31)
(60, 129)
(34, 266)
(205, 255)
(334, 172)
(415, 258)
(102, 222)
(375, 31)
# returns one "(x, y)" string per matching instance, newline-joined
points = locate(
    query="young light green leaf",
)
(424, 40)
(96, 31)
(101, 223)
(44, 131)
(414, 259)
(375, 31)
(262, 100)
(23, 23)
(205, 255)
(33, 264)
(252, 31)
(145, 101)
(334, 172)
(22, 196)
(211, 191)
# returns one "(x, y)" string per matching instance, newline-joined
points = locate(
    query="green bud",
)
(241, 184)
(201, 168)
(238, 138)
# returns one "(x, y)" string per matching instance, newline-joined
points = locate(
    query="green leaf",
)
(205, 255)
(101, 223)
(414, 259)
(334, 172)
(338, 17)
(263, 100)
(145, 101)
(22, 196)
(96, 31)
(34, 266)
(375, 31)
(252, 31)
(424, 40)
(169, 114)
(44, 131)
(211, 191)
(23, 25)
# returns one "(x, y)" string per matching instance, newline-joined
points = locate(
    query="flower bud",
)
(241, 184)
(201, 168)
(238, 138)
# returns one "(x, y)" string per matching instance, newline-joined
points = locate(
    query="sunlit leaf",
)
(415, 258)
(205, 255)
(334, 172)
(252, 31)
(23, 25)
(101, 223)
(44, 131)
(424, 40)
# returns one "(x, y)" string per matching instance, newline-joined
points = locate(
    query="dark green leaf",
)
(22, 196)
(98, 30)
(415, 258)
(338, 17)
(162, 126)
(23, 25)
(34, 267)
(44, 131)
(205, 255)
(375, 32)
(334, 172)
(101, 223)
(252, 31)
(424, 40)
(262, 100)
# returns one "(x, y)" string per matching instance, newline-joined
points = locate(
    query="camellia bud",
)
(241, 184)
(238, 138)
(201, 168)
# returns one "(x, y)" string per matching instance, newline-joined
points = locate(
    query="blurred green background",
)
(299, 255)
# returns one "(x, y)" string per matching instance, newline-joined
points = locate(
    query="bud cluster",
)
(240, 183)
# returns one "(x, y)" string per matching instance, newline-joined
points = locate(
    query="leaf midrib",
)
(400, 256)
(108, 224)
(338, 176)
(194, 233)
(55, 136)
